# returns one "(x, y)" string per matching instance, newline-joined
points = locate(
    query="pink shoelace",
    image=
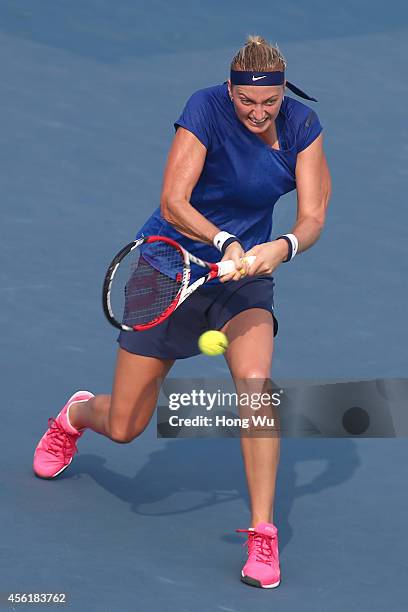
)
(58, 439)
(260, 545)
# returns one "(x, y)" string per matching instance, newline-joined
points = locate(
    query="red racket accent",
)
(169, 241)
(166, 313)
(152, 290)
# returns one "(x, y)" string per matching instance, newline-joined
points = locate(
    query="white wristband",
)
(220, 238)
(295, 244)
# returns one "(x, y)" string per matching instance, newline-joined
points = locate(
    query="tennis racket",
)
(149, 278)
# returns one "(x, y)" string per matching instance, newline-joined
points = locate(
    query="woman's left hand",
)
(269, 256)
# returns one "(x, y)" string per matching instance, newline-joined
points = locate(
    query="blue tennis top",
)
(242, 178)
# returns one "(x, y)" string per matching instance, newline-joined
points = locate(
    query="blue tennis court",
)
(90, 92)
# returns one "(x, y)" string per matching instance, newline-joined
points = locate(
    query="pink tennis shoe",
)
(262, 567)
(57, 447)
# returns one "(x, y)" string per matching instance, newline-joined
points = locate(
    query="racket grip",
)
(227, 266)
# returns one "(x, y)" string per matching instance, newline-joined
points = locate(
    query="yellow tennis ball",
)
(213, 342)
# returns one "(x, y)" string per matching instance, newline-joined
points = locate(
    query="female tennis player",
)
(238, 147)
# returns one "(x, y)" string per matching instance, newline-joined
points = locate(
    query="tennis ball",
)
(213, 342)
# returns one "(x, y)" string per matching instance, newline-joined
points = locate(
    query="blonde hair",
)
(258, 55)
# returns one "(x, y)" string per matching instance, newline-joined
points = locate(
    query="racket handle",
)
(227, 266)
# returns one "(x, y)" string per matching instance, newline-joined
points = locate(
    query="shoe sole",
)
(55, 475)
(257, 583)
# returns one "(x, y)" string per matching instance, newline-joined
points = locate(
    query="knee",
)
(121, 437)
(125, 436)
(249, 372)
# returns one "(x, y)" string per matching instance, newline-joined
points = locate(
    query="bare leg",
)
(249, 358)
(126, 413)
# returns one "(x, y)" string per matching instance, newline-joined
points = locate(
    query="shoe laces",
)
(260, 545)
(58, 439)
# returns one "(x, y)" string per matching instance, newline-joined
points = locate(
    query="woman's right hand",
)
(235, 252)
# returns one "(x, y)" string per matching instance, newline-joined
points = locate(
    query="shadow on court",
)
(163, 486)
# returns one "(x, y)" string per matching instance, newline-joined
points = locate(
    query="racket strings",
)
(153, 282)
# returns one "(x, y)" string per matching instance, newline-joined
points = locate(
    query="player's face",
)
(257, 107)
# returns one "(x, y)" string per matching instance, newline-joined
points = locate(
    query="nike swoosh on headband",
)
(276, 77)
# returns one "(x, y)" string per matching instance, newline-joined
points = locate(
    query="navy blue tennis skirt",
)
(210, 307)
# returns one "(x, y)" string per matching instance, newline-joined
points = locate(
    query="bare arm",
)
(183, 169)
(313, 193)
